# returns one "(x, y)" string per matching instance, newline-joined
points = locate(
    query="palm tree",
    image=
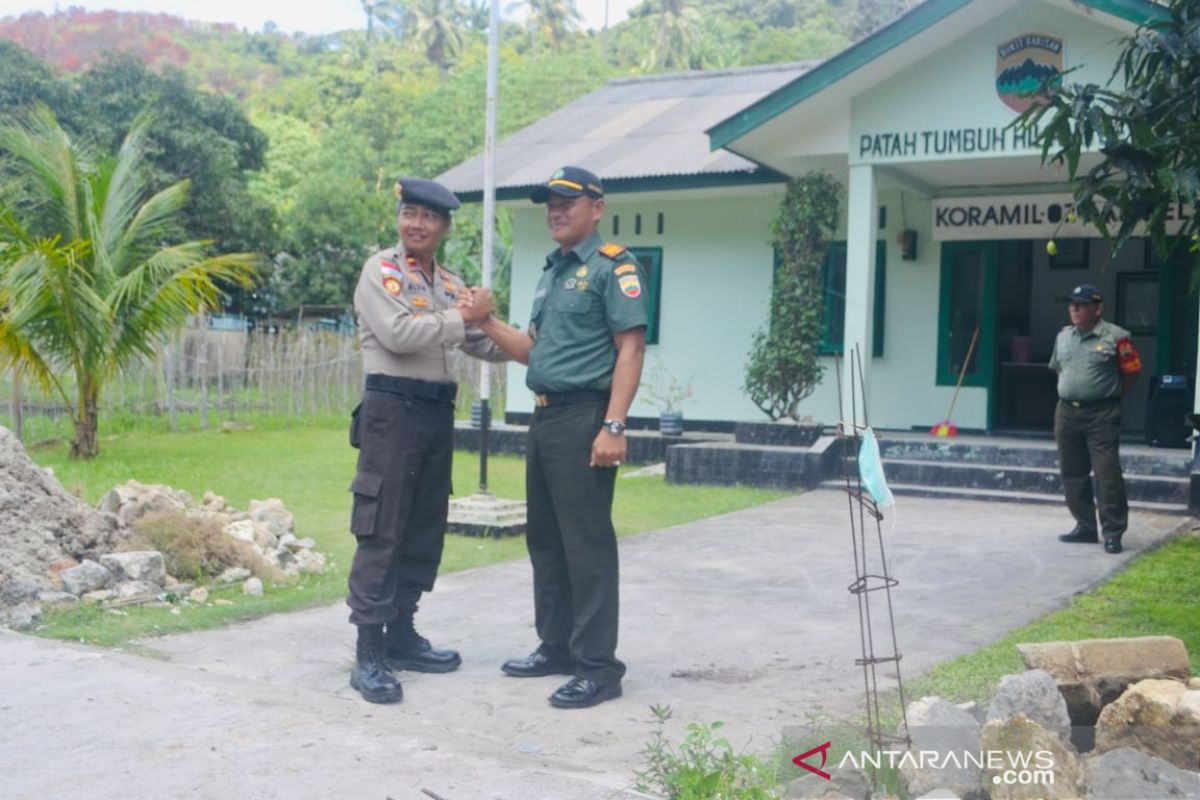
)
(677, 34)
(435, 26)
(88, 281)
(555, 18)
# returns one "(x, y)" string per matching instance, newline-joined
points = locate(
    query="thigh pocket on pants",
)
(365, 514)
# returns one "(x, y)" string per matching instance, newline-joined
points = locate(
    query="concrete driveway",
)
(743, 618)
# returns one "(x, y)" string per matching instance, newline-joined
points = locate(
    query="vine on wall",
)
(784, 363)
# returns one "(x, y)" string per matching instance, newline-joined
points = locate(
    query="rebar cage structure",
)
(872, 577)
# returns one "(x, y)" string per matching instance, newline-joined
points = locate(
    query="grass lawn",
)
(1159, 594)
(310, 470)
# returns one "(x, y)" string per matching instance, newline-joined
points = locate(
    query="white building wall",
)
(717, 265)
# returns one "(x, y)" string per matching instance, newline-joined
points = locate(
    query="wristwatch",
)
(614, 426)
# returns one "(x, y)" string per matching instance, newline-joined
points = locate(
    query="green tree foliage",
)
(88, 281)
(1147, 130)
(25, 81)
(553, 20)
(784, 366)
(436, 26)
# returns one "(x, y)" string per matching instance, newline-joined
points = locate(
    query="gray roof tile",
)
(648, 127)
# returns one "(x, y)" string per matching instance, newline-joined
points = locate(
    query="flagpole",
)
(489, 223)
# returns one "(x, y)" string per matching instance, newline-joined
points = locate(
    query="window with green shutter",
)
(651, 261)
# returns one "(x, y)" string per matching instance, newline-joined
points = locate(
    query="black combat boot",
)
(407, 649)
(371, 676)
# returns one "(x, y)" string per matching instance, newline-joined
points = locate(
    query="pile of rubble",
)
(1106, 719)
(57, 550)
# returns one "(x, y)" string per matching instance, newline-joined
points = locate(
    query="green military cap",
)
(569, 182)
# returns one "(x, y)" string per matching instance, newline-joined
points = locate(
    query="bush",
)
(703, 767)
(194, 548)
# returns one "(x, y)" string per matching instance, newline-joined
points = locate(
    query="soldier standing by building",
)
(585, 346)
(412, 313)
(1097, 365)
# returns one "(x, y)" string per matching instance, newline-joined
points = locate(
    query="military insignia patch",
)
(390, 270)
(393, 286)
(582, 286)
(611, 250)
(625, 269)
(420, 301)
(630, 285)
(570, 284)
(581, 272)
(1128, 358)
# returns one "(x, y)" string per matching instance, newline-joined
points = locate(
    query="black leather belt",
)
(412, 387)
(1078, 404)
(544, 399)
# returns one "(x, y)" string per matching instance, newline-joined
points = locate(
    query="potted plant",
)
(668, 393)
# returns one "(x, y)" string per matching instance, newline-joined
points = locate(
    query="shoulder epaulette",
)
(612, 250)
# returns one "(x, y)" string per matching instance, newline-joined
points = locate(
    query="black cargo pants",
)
(572, 544)
(1089, 439)
(401, 496)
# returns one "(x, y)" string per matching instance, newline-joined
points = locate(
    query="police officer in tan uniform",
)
(412, 313)
(584, 347)
(1096, 365)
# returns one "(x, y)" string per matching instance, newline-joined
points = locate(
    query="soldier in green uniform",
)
(585, 346)
(1096, 365)
(412, 313)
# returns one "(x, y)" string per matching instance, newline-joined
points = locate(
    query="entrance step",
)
(996, 495)
(1139, 460)
(1157, 488)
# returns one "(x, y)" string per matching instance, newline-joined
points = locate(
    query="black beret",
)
(430, 194)
(569, 182)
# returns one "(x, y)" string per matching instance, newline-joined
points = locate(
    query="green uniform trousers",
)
(572, 544)
(401, 496)
(1088, 440)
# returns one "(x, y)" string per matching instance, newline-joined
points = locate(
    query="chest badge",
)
(570, 284)
(582, 286)
(420, 301)
(581, 272)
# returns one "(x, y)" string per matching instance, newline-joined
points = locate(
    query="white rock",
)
(233, 575)
(98, 596)
(87, 577)
(57, 599)
(137, 565)
(288, 540)
(131, 589)
(272, 514)
(310, 561)
(25, 616)
(198, 595)
(1034, 695)
(253, 587)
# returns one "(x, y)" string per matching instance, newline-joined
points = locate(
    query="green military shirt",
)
(1090, 365)
(584, 297)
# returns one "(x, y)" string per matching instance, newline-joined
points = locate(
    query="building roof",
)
(635, 133)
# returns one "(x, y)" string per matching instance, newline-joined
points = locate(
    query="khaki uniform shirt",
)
(1090, 365)
(408, 325)
(583, 298)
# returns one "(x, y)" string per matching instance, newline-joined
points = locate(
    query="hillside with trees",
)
(291, 142)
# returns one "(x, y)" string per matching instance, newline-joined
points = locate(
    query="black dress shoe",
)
(537, 664)
(584, 693)
(407, 649)
(1112, 544)
(1080, 536)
